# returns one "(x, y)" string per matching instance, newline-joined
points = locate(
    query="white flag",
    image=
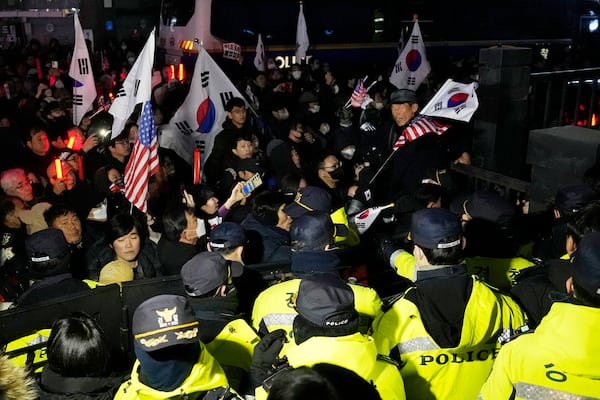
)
(201, 116)
(259, 58)
(457, 101)
(84, 87)
(136, 89)
(301, 37)
(412, 66)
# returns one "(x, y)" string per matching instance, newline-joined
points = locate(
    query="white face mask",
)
(348, 153)
(378, 105)
(296, 74)
(314, 108)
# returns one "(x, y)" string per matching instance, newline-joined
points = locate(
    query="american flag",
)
(143, 162)
(358, 95)
(418, 127)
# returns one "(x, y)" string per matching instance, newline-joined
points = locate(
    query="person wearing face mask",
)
(179, 241)
(57, 122)
(331, 177)
(207, 281)
(346, 138)
(376, 112)
(309, 111)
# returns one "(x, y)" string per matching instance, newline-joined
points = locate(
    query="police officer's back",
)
(444, 330)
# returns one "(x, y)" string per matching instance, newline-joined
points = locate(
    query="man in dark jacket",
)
(267, 229)
(234, 126)
(49, 259)
(179, 241)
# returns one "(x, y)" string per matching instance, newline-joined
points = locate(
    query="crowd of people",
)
(465, 294)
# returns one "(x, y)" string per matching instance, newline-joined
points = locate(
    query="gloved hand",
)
(385, 246)
(265, 359)
(266, 352)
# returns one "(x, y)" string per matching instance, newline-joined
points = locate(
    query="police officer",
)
(207, 281)
(443, 331)
(326, 331)
(312, 235)
(559, 359)
(171, 361)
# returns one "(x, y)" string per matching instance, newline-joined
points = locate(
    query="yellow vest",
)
(557, 361)
(30, 356)
(499, 272)
(356, 352)
(206, 375)
(432, 372)
(274, 306)
(233, 349)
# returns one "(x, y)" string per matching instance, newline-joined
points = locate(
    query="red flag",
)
(418, 127)
(143, 162)
(358, 95)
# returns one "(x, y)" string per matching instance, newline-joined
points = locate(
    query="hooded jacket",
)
(557, 361)
(14, 382)
(446, 348)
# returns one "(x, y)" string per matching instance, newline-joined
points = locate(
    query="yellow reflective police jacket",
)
(558, 361)
(499, 272)
(432, 372)
(356, 352)
(29, 351)
(404, 263)
(233, 348)
(274, 306)
(206, 375)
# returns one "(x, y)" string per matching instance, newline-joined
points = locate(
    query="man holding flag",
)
(411, 142)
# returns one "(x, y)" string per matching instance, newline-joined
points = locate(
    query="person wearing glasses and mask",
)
(330, 176)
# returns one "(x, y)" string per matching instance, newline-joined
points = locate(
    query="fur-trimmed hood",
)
(14, 382)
